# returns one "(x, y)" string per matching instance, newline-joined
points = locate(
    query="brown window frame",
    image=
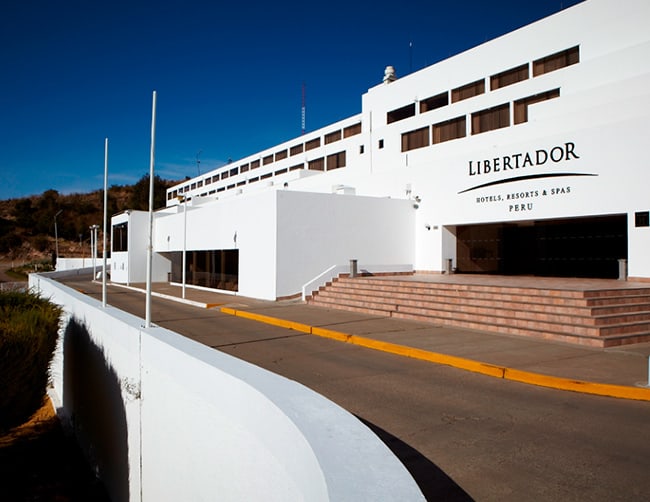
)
(521, 105)
(448, 130)
(352, 130)
(490, 119)
(316, 164)
(401, 113)
(311, 144)
(434, 102)
(556, 61)
(332, 137)
(417, 138)
(467, 91)
(509, 77)
(336, 160)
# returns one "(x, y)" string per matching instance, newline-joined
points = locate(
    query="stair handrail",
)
(336, 270)
(322, 279)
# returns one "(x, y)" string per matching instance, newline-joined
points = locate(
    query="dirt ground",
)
(39, 462)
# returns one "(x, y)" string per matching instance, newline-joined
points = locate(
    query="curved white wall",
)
(202, 425)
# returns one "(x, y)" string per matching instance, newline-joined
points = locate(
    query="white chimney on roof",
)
(389, 75)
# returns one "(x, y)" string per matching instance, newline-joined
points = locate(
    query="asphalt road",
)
(463, 436)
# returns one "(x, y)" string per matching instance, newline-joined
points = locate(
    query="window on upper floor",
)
(418, 138)
(317, 164)
(400, 113)
(556, 61)
(314, 143)
(509, 77)
(336, 160)
(491, 118)
(267, 160)
(449, 129)
(282, 154)
(468, 91)
(296, 149)
(255, 164)
(352, 130)
(332, 137)
(521, 105)
(434, 102)
(243, 168)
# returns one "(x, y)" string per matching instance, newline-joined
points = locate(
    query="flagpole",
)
(105, 222)
(150, 245)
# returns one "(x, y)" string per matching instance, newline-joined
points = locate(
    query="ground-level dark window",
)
(120, 237)
(218, 269)
(642, 219)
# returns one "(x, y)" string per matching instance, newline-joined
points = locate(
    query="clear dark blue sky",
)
(228, 76)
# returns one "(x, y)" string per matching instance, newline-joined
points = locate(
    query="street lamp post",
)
(93, 247)
(184, 242)
(56, 236)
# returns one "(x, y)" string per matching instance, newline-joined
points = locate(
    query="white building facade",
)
(523, 156)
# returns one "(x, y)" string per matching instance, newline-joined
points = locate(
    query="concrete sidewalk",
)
(619, 372)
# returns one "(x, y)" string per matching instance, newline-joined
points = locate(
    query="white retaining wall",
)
(186, 422)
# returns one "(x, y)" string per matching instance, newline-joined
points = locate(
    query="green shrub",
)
(29, 327)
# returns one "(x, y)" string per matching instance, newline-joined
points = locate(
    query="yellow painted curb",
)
(600, 389)
(303, 328)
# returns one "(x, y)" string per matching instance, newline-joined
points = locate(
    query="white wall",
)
(205, 425)
(316, 231)
(246, 222)
(63, 264)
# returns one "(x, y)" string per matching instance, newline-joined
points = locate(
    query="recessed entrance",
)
(577, 247)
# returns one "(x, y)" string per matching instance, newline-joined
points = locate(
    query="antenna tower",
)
(303, 110)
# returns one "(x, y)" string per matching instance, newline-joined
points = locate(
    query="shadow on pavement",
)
(433, 482)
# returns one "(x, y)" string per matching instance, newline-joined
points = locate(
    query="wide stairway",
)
(593, 312)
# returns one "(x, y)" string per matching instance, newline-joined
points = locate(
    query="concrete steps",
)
(602, 317)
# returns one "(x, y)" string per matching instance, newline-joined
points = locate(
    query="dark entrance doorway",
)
(578, 247)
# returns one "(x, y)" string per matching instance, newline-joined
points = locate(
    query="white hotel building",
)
(526, 155)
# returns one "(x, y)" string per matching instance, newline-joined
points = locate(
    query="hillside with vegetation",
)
(27, 232)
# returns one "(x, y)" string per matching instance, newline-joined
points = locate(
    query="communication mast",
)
(303, 110)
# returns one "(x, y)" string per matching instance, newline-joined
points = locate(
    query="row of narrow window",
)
(540, 66)
(330, 162)
(482, 121)
(331, 137)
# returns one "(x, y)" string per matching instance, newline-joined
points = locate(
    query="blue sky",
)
(228, 76)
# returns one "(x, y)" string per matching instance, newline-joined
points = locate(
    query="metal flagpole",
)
(147, 323)
(105, 222)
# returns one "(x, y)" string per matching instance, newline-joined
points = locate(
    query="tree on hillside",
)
(140, 197)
